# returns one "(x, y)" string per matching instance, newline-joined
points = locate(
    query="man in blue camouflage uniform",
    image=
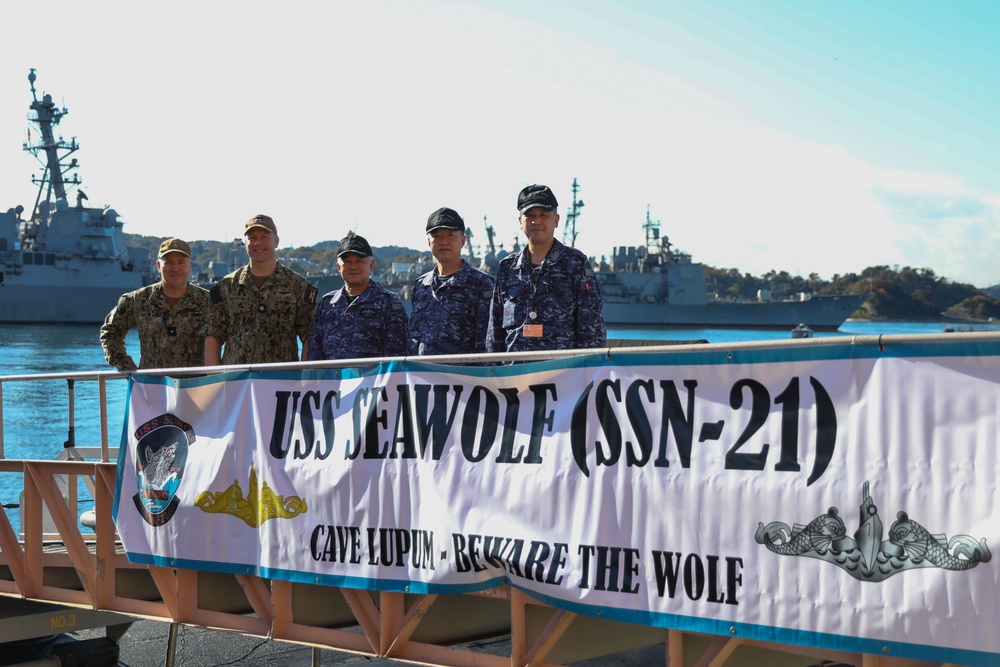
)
(451, 304)
(361, 319)
(262, 310)
(546, 296)
(170, 316)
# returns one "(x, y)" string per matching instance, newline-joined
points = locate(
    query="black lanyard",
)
(536, 275)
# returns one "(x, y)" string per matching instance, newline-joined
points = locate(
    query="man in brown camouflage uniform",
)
(170, 316)
(260, 309)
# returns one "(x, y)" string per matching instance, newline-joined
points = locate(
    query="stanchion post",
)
(103, 388)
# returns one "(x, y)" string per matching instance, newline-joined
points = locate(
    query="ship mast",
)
(654, 244)
(569, 231)
(490, 248)
(469, 247)
(55, 176)
(657, 250)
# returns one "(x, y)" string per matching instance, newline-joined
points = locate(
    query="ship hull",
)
(63, 296)
(820, 313)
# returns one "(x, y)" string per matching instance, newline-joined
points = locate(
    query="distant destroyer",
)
(62, 264)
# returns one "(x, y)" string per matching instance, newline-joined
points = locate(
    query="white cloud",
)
(946, 227)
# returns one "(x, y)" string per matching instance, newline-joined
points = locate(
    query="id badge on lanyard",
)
(531, 328)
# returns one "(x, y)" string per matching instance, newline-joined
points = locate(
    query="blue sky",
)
(801, 136)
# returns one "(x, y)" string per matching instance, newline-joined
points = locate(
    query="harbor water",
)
(35, 424)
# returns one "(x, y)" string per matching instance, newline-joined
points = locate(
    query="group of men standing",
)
(543, 297)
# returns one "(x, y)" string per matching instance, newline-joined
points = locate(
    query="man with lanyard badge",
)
(546, 296)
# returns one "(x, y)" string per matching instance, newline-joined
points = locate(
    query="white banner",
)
(842, 496)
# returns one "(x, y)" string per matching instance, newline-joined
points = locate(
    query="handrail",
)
(499, 358)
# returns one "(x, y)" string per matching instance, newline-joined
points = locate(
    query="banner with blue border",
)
(840, 496)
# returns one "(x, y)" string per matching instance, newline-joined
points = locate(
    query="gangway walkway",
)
(54, 559)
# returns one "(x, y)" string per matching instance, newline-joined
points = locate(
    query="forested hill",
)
(902, 294)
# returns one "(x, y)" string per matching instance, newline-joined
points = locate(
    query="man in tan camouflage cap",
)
(259, 310)
(170, 315)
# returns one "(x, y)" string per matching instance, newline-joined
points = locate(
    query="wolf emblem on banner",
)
(160, 457)
(867, 557)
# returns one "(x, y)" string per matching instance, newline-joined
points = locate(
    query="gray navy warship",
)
(656, 286)
(62, 263)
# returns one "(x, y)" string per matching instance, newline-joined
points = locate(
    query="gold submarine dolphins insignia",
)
(260, 504)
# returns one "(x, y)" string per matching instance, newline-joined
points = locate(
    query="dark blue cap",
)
(356, 244)
(445, 218)
(536, 195)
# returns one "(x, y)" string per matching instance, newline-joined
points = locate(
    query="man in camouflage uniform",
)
(260, 311)
(361, 319)
(451, 304)
(546, 296)
(170, 316)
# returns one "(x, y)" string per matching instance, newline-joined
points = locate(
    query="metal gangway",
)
(82, 570)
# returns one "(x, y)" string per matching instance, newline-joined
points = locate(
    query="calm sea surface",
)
(35, 424)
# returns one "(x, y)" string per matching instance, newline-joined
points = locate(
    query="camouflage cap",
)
(174, 245)
(536, 195)
(262, 221)
(356, 244)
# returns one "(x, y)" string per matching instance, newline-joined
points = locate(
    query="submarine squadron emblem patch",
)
(160, 456)
(866, 556)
